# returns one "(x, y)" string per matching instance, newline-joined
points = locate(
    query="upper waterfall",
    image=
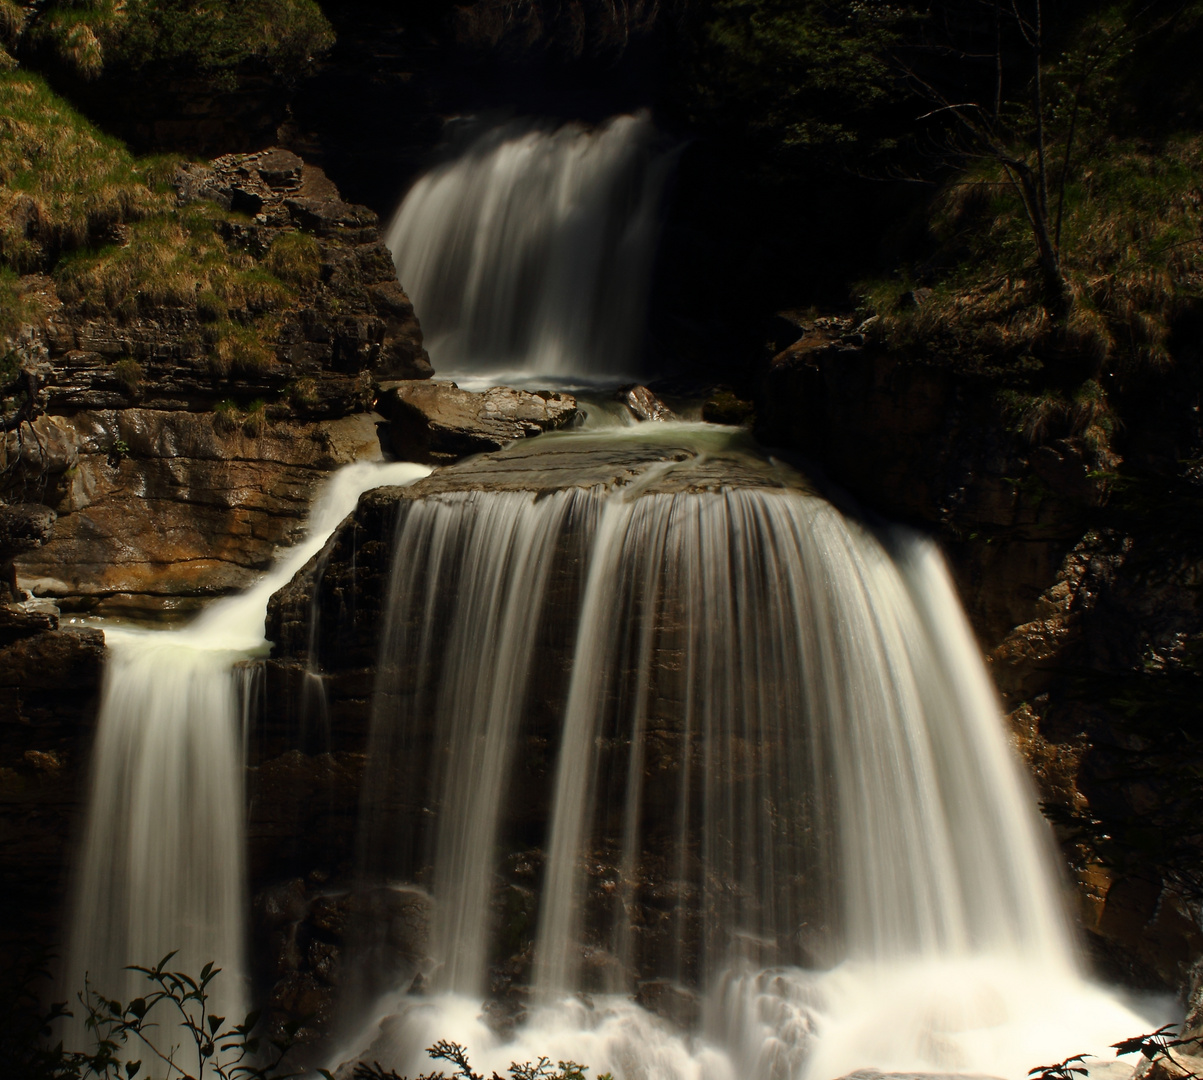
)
(531, 251)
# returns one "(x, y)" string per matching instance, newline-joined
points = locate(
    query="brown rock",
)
(162, 505)
(440, 423)
(644, 405)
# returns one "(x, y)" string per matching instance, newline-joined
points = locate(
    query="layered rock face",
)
(181, 440)
(49, 684)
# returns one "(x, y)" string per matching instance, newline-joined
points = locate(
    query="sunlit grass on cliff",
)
(1130, 249)
(62, 182)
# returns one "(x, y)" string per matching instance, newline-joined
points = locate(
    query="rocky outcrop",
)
(49, 679)
(159, 509)
(920, 444)
(440, 423)
(181, 435)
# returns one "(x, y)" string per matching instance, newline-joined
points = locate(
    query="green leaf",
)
(131, 1068)
(214, 1023)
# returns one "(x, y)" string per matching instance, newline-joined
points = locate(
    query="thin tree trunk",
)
(1038, 106)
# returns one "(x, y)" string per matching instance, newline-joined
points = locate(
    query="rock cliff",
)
(183, 428)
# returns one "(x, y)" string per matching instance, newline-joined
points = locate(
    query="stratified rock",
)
(440, 423)
(175, 468)
(49, 679)
(643, 404)
(158, 507)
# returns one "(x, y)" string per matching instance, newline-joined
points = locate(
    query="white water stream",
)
(162, 857)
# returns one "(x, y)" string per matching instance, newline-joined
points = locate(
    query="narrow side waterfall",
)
(162, 856)
(531, 251)
(781, 790)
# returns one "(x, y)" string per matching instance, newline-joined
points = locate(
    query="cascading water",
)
(781, 779)
(530, 253)
(493, 556)
(162, 859)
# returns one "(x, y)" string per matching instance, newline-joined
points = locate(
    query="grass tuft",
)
(294, 258)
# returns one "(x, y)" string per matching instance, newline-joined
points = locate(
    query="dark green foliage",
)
(457, 1055)
(184, 35)
(800, 76)
(137, 1037)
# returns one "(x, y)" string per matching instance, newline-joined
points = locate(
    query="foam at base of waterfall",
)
(984, 1016)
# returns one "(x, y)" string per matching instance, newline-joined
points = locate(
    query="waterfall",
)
(461, 632)
(161, 864)
(781, 779)
(531, 251)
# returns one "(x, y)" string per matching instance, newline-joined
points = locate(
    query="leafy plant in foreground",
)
(211, 1048)
(443, 1050)
(1158, 1044)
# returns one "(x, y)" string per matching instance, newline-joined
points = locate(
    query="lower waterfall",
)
(782, 796)
(162, 857)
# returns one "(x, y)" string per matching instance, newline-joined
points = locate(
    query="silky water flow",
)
(162, 857)
(781, 780)
(530, 252)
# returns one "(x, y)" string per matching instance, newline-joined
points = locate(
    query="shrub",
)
(129, 373)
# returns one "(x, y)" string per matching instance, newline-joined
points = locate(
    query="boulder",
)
(644, 405)
(440, 423)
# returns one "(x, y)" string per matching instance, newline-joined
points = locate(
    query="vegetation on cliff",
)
(209, 39)
(63, 183)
